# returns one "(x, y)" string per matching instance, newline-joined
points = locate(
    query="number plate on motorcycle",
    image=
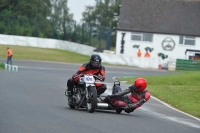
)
(89, 79)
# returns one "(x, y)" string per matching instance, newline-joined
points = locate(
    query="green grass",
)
(181, 91)
(1, 66)
(43, 54)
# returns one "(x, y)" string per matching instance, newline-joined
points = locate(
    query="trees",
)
(52, 19)
(61, 18)
(103, 15)
(41, 18)
(20, 16)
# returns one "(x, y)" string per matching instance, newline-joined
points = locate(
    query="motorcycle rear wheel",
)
(70, 105)
(92, 99)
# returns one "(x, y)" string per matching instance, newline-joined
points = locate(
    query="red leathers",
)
(139, 95)
(93, 67)
(89, 69)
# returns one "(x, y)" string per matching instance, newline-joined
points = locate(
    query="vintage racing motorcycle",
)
(85, 93)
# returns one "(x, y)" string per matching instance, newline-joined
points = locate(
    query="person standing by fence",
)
(9, 55)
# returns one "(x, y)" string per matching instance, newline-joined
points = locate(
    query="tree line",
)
(52, 19)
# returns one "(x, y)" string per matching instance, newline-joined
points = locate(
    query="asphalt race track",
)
(32, 100)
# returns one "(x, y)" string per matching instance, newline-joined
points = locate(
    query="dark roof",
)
(191, 50)
(161, 16)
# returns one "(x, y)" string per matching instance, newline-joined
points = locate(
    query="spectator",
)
(9, 55)
(139, 53)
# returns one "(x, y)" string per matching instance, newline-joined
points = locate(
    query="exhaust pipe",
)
(102, 105)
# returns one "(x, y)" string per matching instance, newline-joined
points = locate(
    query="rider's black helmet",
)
(95, 60)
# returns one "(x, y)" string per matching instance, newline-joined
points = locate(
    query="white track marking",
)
(114, 78)
(175, 108)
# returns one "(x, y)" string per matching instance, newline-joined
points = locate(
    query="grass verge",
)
(181, 91)
(1, 66)
(43, 54)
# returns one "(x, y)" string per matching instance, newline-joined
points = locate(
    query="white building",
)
(168, 28)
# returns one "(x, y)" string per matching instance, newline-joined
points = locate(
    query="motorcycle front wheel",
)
(70, 105)
(92, 99)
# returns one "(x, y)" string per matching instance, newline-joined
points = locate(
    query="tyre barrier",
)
(10, 67)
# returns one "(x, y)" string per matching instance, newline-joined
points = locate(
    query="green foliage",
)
(33, 18)
(104, 13)
(136, 46)
(52, 19)
(1, 66)
(163, 56)
(149, 49)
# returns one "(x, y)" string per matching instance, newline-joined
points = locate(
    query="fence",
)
(193, 65)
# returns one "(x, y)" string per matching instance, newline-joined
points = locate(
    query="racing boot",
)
(69, 94)
(101, 90)
(70, 85)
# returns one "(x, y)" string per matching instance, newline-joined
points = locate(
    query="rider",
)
(93, 67)
(139, 95)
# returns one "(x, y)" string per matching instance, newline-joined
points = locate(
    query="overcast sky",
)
(78, 6)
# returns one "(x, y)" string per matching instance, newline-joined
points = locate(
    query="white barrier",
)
(141, 62)
(10, 67)
(46, 43)
(107, 57)
(14, 68)
(172, 64)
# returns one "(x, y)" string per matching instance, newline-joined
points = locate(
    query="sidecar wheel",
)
(118, 111)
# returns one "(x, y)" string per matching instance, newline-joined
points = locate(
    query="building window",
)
(187, 40)
(145, 37)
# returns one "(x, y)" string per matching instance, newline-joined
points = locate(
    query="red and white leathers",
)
(87, 68)
(132, 101)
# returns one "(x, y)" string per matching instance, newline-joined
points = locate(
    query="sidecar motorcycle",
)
(85, 95)
(108, 105)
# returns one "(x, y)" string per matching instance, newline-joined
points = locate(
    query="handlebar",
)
(81, 75)
(97, 77)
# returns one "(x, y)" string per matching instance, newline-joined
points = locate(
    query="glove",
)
(128, 108)
(113, 95)
(75, 76)
(102, 78)
(107, 99)
(132, 88)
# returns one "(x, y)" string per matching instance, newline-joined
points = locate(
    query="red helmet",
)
(140, 84)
